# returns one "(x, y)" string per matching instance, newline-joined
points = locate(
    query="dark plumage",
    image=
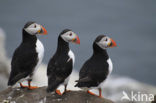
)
(28, 24)
(96, 69)
(60, 65)
(24, 59)
(27, 56)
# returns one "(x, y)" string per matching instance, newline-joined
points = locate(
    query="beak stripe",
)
(42, 31)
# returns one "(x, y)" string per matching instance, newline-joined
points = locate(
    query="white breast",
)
(110, 65)
(40, 51)
(71, 56)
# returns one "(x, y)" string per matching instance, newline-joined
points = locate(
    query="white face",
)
(68, 36)
(33, 29)
(104, 42)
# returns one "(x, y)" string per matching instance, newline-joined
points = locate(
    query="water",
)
(130, 23)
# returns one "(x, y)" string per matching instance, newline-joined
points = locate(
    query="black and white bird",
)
(97, 68)
(61, 64)
(28, 56)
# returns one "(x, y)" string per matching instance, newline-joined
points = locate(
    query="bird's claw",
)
(58, 92)
(33, 87)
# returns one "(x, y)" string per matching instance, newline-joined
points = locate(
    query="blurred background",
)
(131, 23)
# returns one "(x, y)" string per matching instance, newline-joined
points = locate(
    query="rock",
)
(18, 95)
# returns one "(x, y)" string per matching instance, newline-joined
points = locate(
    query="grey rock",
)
(17, 95)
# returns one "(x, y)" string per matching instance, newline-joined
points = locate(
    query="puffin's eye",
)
(70, 34)
(106, 39)
(34, 26)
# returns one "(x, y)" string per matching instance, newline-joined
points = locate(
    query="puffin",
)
(61, 64)
(27, 56)
(98, 67)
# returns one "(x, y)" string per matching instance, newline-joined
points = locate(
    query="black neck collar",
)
(97, 51)
(28, 37)
(62, 46)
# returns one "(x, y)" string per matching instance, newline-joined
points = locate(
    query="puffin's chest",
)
(39, 49)
(110, 65)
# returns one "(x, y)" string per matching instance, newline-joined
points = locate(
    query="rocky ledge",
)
(18, 95)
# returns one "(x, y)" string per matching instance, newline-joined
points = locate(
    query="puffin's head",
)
(33, 28)
(69, 36)
(105, 42)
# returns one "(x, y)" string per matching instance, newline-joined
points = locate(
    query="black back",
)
(60, 65)
(24, 59)
(95, 70)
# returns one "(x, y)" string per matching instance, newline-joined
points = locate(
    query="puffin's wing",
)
(91, 80)
(91, 75)
(85, 82)
(58, 73)
(86, 79)
(22, 64)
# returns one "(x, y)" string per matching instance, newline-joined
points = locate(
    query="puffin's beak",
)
(76, 40)
(42, 31)
(112, 43)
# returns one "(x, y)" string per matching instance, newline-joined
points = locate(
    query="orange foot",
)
(100, 93)
(58, 92)
(91, 93)
(100, 96)
(33, 87)
(23, 86)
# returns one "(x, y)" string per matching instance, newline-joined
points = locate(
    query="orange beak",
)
(76, 40)
(43, 31)
(113, 43)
